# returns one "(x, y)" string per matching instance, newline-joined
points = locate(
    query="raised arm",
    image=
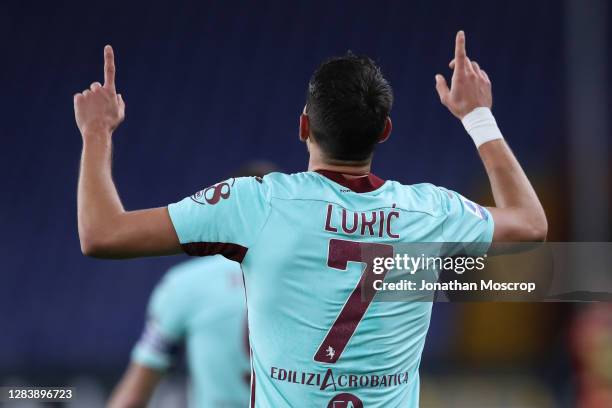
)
(518, 213)
(106, 230)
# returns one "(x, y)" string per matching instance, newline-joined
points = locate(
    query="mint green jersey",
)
(200, 304)
(305, 243)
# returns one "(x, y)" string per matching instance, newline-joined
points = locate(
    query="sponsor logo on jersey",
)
(337, 381)
(345, 400)
(215, 193)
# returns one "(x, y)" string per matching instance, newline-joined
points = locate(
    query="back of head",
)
(347, 104)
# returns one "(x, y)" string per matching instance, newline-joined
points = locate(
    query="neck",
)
(318, 162)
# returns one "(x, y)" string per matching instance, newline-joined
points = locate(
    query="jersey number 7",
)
(340, 253)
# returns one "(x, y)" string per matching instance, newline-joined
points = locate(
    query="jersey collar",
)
(363, 184)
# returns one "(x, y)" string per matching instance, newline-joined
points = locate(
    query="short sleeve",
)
(225, 218)
(165, 326)
(465, 221)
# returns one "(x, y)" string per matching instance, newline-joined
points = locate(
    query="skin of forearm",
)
(98, 202)
(106, 230)
(510, 186)
(136, 387)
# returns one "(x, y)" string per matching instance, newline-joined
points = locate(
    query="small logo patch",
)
(215, 193)
(345, 400)
(475, 209)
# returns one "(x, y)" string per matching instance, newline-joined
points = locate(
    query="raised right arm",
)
(106, 230)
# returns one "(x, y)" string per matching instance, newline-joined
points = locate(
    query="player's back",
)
(315, 341)
(305, 241)
(216, 341)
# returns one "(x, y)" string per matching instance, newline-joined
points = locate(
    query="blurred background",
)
(211, 85)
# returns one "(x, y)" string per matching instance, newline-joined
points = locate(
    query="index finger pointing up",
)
(109, 68)
(460, 55)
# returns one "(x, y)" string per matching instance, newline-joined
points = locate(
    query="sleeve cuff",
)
(178, 220)
(150, 359)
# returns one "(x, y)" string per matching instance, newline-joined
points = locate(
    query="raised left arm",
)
(518, 213)
(106, 230)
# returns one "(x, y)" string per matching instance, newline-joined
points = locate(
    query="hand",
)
(100, 108)
(470, 85)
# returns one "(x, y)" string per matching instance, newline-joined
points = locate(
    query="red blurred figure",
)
(591, 344)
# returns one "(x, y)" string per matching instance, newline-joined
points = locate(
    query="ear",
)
(304, 127)
(386, 132)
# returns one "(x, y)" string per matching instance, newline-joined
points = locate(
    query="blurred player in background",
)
(307, 241)
(199, 304)
(591, 345)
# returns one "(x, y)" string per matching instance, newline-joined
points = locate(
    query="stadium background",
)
(211, 85)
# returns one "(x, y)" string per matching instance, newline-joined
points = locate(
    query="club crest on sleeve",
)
(215, 193)
(474, 209)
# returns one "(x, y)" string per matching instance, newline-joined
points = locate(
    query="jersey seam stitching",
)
(257, 236)
(371, 209)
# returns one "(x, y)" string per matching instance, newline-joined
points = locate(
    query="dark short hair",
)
(348, 102)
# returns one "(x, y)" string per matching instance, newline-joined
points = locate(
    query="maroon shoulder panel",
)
(363, 184)
(253, 389)
(233, 252)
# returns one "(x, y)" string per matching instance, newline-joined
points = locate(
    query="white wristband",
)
(481, 126)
